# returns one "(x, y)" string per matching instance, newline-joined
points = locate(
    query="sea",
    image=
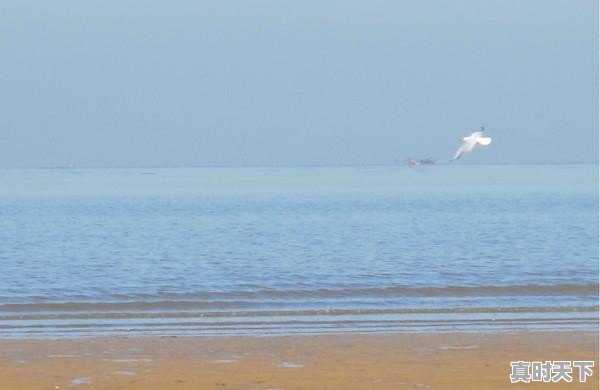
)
(214, 251)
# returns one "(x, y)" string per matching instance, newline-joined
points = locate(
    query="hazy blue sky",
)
(143, 83)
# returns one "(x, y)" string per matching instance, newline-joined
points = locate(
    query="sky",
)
(193, 83)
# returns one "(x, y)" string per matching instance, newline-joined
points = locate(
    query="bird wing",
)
(484, 141)
(459, 152)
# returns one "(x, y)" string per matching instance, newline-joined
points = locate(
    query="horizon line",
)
(308, 165)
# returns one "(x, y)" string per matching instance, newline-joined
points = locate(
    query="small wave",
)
(157, 314)
(443, 323)
(247, 299)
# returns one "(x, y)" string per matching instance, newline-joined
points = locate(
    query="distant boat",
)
(424, 161)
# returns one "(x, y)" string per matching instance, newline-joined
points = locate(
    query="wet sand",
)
(330, 362)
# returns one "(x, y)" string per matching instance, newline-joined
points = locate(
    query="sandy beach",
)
(351, 361)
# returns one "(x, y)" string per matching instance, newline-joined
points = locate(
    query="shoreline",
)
(462, 360)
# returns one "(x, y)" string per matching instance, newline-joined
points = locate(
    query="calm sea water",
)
(297, 250)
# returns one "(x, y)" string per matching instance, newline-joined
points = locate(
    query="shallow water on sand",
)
(297, 250)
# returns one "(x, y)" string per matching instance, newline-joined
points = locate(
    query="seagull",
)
(468, 143)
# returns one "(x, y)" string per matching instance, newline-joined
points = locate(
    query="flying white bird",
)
(468, 143)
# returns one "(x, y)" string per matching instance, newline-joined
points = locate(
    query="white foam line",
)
(289, 365)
